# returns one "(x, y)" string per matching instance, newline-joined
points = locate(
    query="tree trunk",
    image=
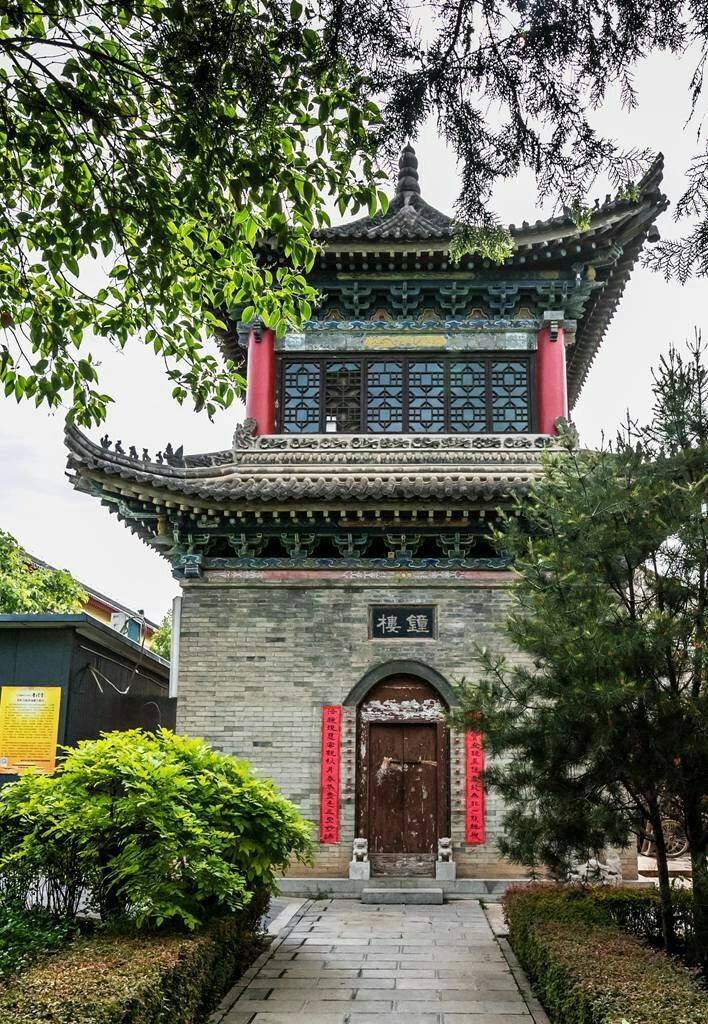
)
(662, 869)
(696, 835)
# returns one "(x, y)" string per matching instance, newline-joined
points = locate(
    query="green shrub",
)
(587, 970)
(140, 979)
(34, 868)
(26, 934)
(152, 828)
(639, 911)
(634, 910)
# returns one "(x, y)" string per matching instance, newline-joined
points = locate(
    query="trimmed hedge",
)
(639, 911)
(25, 935)
(133, 979)
(587, 970)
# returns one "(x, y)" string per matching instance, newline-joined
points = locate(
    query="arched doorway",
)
(402, 775)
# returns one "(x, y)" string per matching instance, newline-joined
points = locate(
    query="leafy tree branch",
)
(144, 139)
(29, 589)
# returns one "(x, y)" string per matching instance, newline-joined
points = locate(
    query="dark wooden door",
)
(403, 787)
(402, 776)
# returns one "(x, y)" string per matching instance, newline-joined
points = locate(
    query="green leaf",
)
(119, 157)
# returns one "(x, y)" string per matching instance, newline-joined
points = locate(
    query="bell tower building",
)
(334, 560)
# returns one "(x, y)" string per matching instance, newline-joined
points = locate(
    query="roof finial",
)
(408, 173)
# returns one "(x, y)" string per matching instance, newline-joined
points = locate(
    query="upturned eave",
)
(324, 469)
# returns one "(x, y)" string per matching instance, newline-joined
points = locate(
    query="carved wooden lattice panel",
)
(468, 396)
(426, 397)
(301, 397)
(343, 395)
(510, 396)
(428, 394)
(384, 395)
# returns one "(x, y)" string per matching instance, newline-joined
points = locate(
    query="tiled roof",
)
(274, 468)
(408, 217)
(610, 243)
(607, 246)
(98, 599)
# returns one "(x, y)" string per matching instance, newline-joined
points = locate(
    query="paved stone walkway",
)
(347, 963)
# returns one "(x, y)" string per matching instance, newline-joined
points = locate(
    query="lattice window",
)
(510, 396)
(301, 397)
(468, 396)
(435, 393)
(384, 397)
(343, 396)
(426, 397)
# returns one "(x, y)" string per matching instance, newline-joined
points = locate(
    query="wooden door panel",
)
(420, 789)
(386, 803)
(403, 788)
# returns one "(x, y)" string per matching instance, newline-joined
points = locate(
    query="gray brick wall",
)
(261, 652)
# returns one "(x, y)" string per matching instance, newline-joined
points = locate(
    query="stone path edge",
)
(278, 923)
(535, 1009)
(249, 974)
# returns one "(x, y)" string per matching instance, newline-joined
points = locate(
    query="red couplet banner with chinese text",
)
(474, 789)
(329, 784)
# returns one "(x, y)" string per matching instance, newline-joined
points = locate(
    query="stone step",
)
(417, 896)
(489, 889)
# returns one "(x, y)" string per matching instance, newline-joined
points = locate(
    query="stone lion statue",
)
(594, 872)
(445, 849)
(360, 851)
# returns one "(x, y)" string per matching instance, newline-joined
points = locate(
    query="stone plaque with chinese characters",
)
(402, 622)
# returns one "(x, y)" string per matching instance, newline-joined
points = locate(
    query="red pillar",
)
(260, 380)
(551, 385)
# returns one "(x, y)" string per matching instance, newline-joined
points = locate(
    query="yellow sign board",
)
(404, 341)
(29, 728)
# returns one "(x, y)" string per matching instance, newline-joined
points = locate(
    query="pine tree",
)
(606, 722)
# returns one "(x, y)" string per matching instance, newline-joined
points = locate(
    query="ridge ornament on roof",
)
(408, 173)
(408, 217)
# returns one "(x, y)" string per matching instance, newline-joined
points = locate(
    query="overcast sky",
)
(71, 530)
